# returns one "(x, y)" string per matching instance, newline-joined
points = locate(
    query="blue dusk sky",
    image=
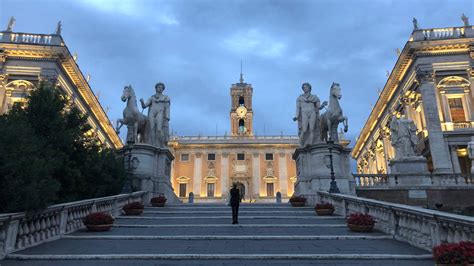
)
(195, 48)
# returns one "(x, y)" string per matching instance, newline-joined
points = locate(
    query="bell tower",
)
(241, 113)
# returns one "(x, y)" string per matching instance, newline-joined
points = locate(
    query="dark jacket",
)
(234, 197)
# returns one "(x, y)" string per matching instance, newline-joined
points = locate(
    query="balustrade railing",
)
(392, 180)
(462, 125)
(30, 38)
(442, 33)
(420, 227)
(22, 230)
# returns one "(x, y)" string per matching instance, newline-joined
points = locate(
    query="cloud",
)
(254, 41)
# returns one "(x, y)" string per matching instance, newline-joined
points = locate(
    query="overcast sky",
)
(195, 48)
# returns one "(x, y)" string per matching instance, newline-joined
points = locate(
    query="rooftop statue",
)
(465, 19)
(135, 121)
(333, 116)
(307, 115)
(403, 137)
(11, 23)
(415, 24)
(158, 116)
(59, 28)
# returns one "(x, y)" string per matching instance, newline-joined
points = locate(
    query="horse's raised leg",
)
(119, 125)
(346, 124)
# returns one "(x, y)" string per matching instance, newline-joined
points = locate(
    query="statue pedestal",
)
(314, 173)
(413, 171)
(150, 168)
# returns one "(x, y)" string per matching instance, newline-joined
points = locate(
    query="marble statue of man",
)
(158, 117)
(403, 137)
(307, 115)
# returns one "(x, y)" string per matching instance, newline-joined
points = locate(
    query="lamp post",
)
(333, 187)
(127, 186)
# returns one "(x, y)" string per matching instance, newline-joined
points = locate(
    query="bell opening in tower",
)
(241, 101)
(242, 128)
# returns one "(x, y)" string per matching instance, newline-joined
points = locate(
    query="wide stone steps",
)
(203, 234)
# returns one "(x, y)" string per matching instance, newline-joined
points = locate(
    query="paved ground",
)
(203, 235)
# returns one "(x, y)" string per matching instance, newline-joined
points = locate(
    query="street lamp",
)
(333, 187)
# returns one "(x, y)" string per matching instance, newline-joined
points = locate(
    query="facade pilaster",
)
(283, 172)
(197, 174)
(225, 175)
(3, 93)
(439, 153)
(256, 174)
(454, 159)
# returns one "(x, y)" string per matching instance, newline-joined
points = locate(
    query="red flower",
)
(461, 253)
(98, 218)
(159, 199)
(133, 206)
(297, 199)
(324, 205)
(360, 219)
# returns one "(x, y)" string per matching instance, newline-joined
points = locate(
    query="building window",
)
(270, 192)
(241, 101)
(210, 190)
(240, 156)
(456, 109)
(182, 190)
(184, 157)
(211, 157)
(269, 156)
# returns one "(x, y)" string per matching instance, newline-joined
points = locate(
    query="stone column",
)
(439, 152)
(225, 175)
(256, 174)
(3, 92)
(454, 159)
(470, 149)
(197, 175)
(283, 172)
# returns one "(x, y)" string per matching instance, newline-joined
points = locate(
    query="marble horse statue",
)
(333, 116)
(134, 119)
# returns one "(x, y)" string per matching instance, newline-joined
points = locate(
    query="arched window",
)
(242, 128)
(241, 101)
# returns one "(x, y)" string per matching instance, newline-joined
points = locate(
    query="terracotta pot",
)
(158, 204)
(360, 228)
(298, 203)
(99, 227)
(133, 211)
(323, 212)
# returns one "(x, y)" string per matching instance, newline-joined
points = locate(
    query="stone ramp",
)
(202, 234)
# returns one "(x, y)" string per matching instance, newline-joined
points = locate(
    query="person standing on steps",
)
(234, 203)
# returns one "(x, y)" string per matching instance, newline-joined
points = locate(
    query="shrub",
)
(98, 218)
(133, 206)
(297, 199)
(324, 205)
(461, 253)
(361, 219)
(159, 199)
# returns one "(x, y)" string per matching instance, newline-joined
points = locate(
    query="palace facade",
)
(431, 84)
(208, 165)
(27, 58)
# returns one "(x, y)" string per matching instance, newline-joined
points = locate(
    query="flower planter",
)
(158, 204)
(360, 228)
(133, 211)
(98, 227)
(323, 212)
(298, 204)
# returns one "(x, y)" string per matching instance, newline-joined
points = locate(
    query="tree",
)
(49, 154)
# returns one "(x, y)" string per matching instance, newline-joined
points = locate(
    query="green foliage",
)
(47, 155)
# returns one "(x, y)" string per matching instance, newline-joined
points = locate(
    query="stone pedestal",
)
(412, 171)
(150, 169)
(470, 149)
(314, 173)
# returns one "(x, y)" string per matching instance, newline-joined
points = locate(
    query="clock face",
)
(241, 111)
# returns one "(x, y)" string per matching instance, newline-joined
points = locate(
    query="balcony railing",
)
(443, 33)
(391, 180)
(30, 38)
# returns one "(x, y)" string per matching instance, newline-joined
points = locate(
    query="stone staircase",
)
(202, 234)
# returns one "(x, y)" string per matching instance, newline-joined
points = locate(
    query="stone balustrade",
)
(420, 227)
(22, 230)
(443, 33)
(391, 180)
(30, 38)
